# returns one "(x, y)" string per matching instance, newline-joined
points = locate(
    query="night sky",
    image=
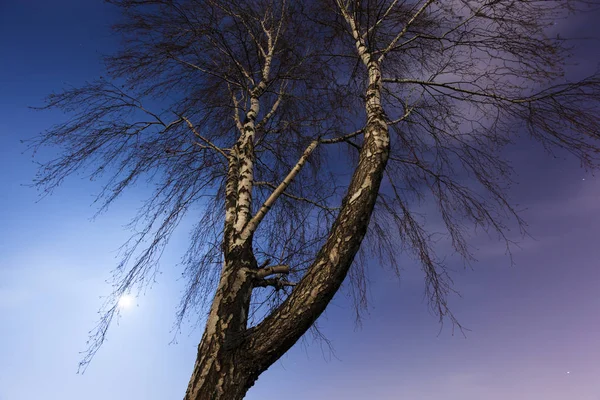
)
(534, 327)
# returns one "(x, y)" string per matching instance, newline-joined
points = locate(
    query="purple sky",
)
(534, 327)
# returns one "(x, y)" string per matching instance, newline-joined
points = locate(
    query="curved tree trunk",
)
(284, 327)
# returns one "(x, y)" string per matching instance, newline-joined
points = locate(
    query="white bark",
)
(246, 173)
(246, 141)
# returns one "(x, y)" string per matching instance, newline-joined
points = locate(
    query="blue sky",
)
(534, 327)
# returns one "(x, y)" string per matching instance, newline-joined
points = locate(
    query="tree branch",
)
(273, 110)
(275, 269)
(260, 214)
(341, 138)
(380, 20)
(294, 197)
(205, 140)
(544, 94)
(404, 30)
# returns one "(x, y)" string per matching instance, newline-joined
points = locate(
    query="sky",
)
(533, 327)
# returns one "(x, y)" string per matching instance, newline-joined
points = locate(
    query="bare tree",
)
(239, 107)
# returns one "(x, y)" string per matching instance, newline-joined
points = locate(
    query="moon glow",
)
(125, 301)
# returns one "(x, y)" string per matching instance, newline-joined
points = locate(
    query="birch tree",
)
(238, 108)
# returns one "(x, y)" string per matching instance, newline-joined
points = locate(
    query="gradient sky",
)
(534, 327)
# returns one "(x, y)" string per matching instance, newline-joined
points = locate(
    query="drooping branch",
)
(482, 93)
(205, 140)
(207, 71)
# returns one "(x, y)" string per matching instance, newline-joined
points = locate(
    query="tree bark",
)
(223, 369)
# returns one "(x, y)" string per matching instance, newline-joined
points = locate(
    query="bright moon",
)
(125, 301)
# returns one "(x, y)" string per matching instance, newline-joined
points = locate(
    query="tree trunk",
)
(228, 373)
(223, 370)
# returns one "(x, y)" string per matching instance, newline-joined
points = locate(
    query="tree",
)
(240, 107)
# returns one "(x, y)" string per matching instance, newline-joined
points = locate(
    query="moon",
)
(125, 301)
